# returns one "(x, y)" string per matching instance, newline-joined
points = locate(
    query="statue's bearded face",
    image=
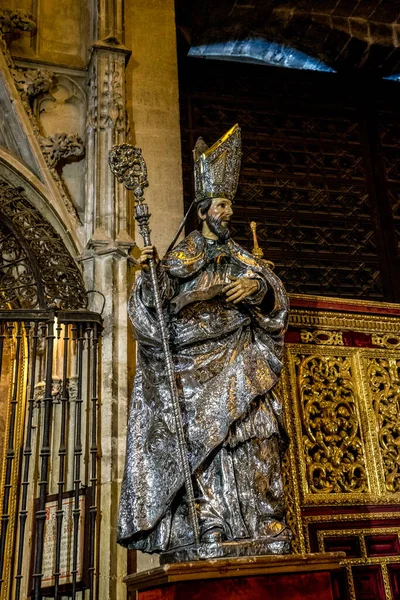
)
(218, 217)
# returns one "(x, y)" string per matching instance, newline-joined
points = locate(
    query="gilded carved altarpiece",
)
(12, 420)
(341, 388)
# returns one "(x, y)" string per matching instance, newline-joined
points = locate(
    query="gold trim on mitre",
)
(216, 169)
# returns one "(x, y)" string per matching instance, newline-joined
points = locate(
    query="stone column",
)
(106, 270)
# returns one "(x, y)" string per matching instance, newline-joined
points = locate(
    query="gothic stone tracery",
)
(36, 269)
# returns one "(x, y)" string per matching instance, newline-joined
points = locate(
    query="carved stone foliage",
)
(33, 82)
(106, 126)
(11, 19)
(72, 388)
(61, 146)
(40, 389)
(331, 438)
(111, 101)
(29, 82)
(92, 110)
(64, 106)
(36, 269)
(383, 376)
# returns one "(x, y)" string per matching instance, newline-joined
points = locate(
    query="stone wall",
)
(152, 94)
(64, 32)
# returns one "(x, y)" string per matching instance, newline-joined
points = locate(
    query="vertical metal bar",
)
(44, 465)
(62, 452)
(93, 456)
(77, 460)
(2, 336)
(27, 454)
(10, 453)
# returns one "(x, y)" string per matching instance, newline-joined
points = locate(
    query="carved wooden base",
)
(277, 545)
(290, 577)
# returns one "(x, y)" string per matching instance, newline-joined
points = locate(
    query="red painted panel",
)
(292, 336)
(368, 583)
(357, 339)
(382, 545)
(309, 511)
(296, 586)
(350, 545)
(313, 528)
(394, 576)
(340, 586)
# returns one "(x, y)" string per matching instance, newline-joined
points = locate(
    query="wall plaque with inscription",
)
(66, 542)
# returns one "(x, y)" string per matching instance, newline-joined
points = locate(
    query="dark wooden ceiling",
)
(345, 34)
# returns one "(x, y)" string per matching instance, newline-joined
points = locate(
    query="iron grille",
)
(49, 368)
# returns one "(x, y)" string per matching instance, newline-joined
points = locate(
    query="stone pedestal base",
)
(204, 551)
(288, 577)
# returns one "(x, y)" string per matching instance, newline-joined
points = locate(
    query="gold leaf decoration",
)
(386, 340)
(331, 436)
(322, 336)
(384, 382)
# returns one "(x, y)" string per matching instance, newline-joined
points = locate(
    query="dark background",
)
(320, 168)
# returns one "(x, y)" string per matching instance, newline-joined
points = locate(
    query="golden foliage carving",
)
(291, 503)
(333, 448)
(386, 340)
(384, 383)
(322, 336)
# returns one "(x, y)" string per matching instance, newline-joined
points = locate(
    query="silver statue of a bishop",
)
(227, 314)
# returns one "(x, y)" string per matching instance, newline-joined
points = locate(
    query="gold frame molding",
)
(18, 445)
(382, 561)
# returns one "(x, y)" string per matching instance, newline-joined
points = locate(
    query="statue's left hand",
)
(240, 288)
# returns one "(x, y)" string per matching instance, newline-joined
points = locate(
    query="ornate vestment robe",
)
(227, 361)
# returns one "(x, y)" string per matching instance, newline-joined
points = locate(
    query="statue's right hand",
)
(147, 253)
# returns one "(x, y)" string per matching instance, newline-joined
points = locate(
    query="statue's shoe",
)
(213, 536)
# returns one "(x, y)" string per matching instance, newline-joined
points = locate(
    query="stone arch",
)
(37, 268)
